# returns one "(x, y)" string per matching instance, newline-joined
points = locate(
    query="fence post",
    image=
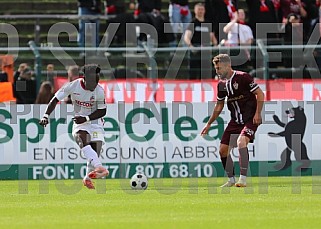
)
(265, 55)
(37, 31)
(38, 65)
(152, 68)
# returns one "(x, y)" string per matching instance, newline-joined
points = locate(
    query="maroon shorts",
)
(234, 130)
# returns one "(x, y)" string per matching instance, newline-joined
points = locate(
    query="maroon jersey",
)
(240, 100)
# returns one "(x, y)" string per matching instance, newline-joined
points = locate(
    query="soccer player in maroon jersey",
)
(245, 101)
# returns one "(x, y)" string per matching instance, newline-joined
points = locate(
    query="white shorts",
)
(96, 131)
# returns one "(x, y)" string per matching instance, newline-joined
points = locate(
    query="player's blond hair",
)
(222, 58)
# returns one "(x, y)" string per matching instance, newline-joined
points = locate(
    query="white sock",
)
(91, 156)
(231, 179)
(242, 177)
(89, 168)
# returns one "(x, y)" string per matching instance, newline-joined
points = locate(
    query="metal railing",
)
(263, 53)
(39, 17)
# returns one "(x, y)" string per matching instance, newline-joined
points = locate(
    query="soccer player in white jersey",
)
(88, 99)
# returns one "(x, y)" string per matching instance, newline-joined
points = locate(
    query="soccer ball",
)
(139, 182)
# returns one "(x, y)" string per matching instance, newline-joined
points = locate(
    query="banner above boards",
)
(130, 90)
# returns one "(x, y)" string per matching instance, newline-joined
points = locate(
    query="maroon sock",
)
(228, 165)
(244, 160)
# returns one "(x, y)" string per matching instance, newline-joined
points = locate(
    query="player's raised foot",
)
(99, 172)
(241, 183)
(228, 184)
(88, 183)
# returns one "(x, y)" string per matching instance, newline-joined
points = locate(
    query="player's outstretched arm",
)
(51, 106)
(216, 112)
(97, 114)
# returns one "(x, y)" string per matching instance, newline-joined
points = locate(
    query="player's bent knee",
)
(224, 150)
(223, 154)
(82, 136)
(79, 141)
(242, 142)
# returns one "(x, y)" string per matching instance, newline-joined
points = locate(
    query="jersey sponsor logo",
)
(84, 104)
(75, 93)
(235, 98)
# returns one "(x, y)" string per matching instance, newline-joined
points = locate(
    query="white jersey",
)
(84, 101)
(239, 32)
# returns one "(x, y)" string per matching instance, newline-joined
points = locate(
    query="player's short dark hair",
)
(91, 70)
(222, 58)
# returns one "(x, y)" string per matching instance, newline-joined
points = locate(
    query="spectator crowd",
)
(192, 24)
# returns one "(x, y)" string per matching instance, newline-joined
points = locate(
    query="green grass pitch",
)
(269, 202)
